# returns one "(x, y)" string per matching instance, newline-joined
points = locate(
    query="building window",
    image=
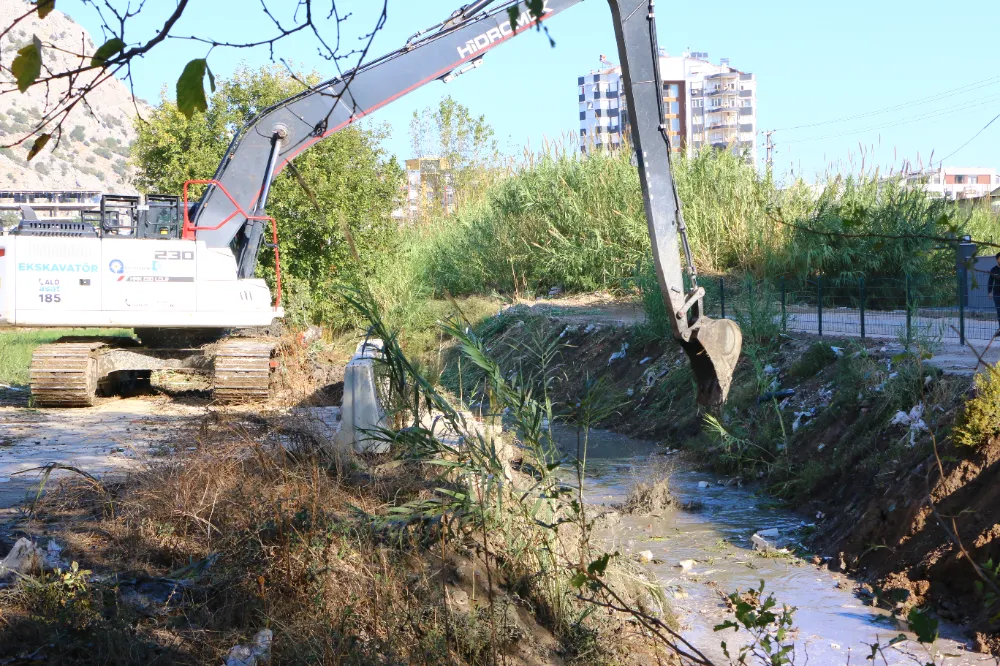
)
(675, 124)
(583, 131)
(959, 180)
(583, 115)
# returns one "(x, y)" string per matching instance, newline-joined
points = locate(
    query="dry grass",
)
(265, 528)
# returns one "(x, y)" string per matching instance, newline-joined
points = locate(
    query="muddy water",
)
(834, 626)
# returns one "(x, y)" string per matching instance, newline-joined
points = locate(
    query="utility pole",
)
(770, 149)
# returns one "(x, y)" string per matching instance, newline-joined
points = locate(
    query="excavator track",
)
(243, 369)
(65, 374)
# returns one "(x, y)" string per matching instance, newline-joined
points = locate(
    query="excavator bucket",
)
(714, 349)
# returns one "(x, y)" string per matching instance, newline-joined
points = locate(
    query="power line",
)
(923, 100)
(970, 139)
(926, 116)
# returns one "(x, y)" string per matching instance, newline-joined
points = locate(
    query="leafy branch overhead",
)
(28, 64)
(191, 87)
(69, 73)
(536, 8)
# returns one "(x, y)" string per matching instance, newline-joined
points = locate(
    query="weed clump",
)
(980, 420)
(817, 357)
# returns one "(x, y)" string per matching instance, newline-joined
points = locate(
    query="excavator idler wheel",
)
(243, 369)
(714, 350)
(65, 374)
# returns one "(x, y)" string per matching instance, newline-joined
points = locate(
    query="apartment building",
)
(957, 182)
(428, 186)
(704, 105)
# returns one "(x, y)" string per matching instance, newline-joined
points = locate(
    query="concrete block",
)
(361, 410)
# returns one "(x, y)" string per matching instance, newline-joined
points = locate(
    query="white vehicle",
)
(182, 275)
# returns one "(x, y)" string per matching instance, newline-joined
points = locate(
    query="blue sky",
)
(931, 69)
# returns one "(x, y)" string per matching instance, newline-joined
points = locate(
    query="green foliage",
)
(818, 356)
(980, 419)
(63, 596)
(923, 625)
(867, 209)
(352, 179)
(45, 7)
(191, 87)
(106, 50)
(757, 310)
(78, 133)
(524, 517)
(560, 220)
(468, 151)
(28, 64)
(17, 345)
(770, 629)
(36, 146)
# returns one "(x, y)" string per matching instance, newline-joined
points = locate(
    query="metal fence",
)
(953, 308)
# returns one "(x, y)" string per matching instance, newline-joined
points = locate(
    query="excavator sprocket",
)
(65, 374)
(714, 350)
(243, 369)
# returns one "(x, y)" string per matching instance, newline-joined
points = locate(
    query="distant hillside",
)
(95, 144)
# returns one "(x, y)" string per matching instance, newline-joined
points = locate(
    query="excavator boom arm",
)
(281, 132)
(713, 346)
(271, 140)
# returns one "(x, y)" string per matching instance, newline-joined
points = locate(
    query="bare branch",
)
(66, 87)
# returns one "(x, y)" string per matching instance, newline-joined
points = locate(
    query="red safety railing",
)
(189, 228)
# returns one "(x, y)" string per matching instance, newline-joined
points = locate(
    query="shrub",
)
(817, 357)
(78, 134)
(757, 310)
(980, 420)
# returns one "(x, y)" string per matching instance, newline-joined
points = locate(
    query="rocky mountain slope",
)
(94, 149)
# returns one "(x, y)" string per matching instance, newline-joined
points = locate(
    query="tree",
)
(353, 181)
(464, 142)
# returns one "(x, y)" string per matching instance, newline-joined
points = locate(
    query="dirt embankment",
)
(843, 430)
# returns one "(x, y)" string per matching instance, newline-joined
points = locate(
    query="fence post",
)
(909, 313)
(862, 306)
(722, 297)
(784, 315)
(819, 304)
(962, 281)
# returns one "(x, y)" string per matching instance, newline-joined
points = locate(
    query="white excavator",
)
(181, 273)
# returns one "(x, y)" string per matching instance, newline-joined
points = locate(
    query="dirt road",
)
(112, 437)
(948, 354)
